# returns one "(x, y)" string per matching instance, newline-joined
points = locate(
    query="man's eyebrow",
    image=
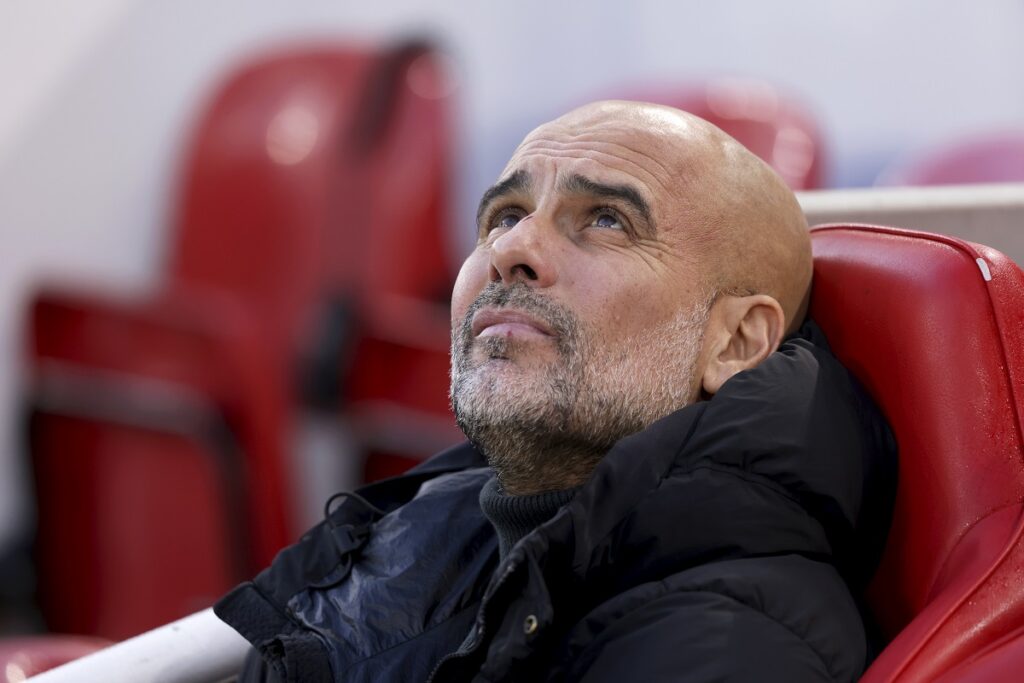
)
(517, 182)
(582, 185)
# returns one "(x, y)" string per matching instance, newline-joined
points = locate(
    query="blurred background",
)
(228, 229)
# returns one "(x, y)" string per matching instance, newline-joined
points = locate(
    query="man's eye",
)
(506, 219)
(607, 219)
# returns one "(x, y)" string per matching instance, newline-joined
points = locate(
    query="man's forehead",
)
(547, 162)
(605, 142)
(647, 128)
(619, 116)
(659, 147)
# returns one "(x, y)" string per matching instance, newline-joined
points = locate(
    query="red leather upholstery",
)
(990, 159)
(941, 348)
(999, 663)
(773, 126)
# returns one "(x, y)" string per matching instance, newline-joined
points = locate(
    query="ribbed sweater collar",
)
(515, 516)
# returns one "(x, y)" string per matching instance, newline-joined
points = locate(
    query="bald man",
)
(668, 477)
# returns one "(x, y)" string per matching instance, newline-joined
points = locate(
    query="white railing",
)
(197, 649)
(991, 214)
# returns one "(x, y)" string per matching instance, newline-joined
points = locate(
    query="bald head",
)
(734, 212)
(630, 260)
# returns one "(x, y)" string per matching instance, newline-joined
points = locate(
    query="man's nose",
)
(524, 253)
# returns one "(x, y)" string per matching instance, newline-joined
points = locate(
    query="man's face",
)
(578, 318)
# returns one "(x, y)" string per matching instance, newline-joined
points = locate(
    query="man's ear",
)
(742, 332)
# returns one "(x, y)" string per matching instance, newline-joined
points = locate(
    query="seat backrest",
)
(258, 174)
(155, 435)
(316, 192)
(934, 328)
(772, 125)
(318, 172)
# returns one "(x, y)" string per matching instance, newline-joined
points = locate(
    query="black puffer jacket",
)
(720, 544)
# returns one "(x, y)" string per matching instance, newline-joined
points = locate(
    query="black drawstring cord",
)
(350, 494)
(349, 538)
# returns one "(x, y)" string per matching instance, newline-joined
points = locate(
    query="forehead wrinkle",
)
(586, 143)
(598, 157)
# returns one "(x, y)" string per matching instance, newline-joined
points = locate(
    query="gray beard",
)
(549, 429)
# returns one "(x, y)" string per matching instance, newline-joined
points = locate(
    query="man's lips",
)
(489, 322)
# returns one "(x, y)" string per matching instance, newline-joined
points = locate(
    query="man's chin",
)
(499, 380)
(508, 388)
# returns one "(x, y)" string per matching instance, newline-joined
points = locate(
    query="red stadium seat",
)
(159, 479)
(340, 160)
(24, 657)
(773, 126)
(307, 270)
(340, 163)
(989, 159)
(316, 174)
(934, 328)
(998, 663)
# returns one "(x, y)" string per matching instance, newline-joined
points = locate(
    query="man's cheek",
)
(470, 282)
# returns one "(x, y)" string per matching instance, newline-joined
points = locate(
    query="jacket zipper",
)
(480, 627)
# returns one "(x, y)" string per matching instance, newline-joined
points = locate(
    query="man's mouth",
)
(508, 322)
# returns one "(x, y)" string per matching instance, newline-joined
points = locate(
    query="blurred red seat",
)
(340, 163)
(22, 658)
(772, 125)
(934, 328)
(995, 158)
(308, 236)
(159, 480)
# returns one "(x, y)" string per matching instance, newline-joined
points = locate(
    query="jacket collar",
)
(790, 457)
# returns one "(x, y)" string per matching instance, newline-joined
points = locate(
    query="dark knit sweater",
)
(515, 516)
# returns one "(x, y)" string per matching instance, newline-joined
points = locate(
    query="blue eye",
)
(509, 220)
(607, 219)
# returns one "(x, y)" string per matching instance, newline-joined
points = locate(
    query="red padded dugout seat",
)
(316, 173)
(308, 234)
(934, 328)
(316, 192)
(159, 479)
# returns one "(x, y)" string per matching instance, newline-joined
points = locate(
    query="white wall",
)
(94, 96)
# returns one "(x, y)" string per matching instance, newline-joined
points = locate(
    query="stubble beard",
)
(545, 425)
